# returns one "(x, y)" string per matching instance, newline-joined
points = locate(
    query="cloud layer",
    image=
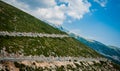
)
(50, 11)
(101, 2)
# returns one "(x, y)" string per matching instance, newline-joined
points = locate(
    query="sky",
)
(92, 19)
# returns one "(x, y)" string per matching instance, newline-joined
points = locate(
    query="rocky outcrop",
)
(58, 66)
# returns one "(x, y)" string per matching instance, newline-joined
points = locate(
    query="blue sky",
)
(92, 19)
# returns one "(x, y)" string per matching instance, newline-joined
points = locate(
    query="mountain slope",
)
(14, 20)
(25, 47)
(110, 52)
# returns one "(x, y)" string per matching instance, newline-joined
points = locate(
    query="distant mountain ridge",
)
(15, 20)
(22, 47)
(110, 52)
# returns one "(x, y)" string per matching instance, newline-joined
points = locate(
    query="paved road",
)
(4, 33)
(30, 34)
(49, 59)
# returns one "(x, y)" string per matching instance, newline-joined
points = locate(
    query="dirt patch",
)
(8, 65)
(47, 64)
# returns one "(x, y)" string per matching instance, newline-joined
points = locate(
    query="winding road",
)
(49, 59)
(30, 34)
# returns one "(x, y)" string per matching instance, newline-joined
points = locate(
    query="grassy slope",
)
(46, 46)
(13, 19)
(36, 46)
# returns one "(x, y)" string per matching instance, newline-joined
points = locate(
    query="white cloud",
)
(52, 15)
(101, 2)
(51, 12)
(46, 3)
(77, 8)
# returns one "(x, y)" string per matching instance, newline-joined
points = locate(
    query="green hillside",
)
(46, 46)
(13, 19)
(22, 47)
